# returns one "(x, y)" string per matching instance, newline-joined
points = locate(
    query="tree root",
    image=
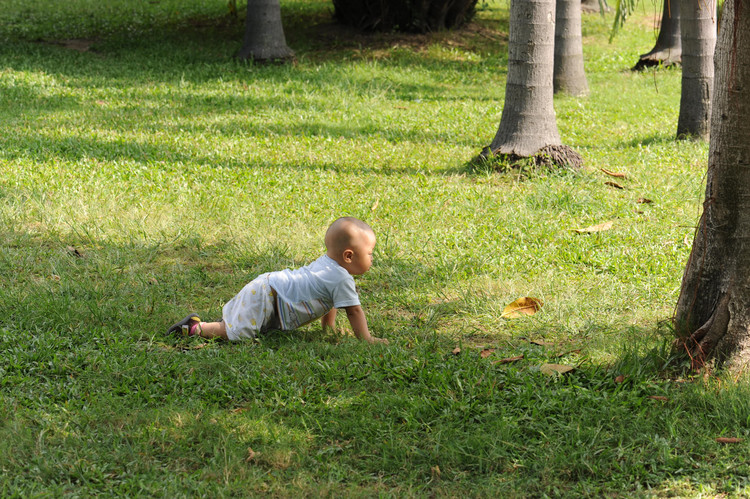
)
(663, 58)
(700, 344)
(560, 156)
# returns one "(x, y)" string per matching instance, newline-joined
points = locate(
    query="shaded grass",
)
(177, 174)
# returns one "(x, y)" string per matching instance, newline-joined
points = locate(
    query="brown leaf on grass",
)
(508, 360)
(435, 472)
(251, 454)
(615, 185)
(456, 351)
(620, 379)
(613, 174)
(541, 343)
(643, 201)
(486, 352)
(658, 397)
(553, 369)
(595, 228)
(522, 306)
(729, 440)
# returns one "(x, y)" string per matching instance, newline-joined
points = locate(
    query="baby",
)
(288, 299)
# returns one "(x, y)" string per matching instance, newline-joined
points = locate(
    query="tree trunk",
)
(668, 48)
(569, 75)
(264, 35)
(712, 318)
(698, 26)
(528, 121)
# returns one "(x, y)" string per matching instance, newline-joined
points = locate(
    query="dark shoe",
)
(185, 325)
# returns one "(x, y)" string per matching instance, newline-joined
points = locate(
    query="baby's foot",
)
(187, 326)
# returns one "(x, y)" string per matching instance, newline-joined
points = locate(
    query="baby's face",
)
(362, 249)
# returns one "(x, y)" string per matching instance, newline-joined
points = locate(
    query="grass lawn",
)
(145, 173)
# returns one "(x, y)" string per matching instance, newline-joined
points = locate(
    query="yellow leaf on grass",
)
(595, 228)
(523, 306)
(456, 351)
(613, 174)
(552, 369)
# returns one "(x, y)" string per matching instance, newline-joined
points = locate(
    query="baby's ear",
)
(348, 254)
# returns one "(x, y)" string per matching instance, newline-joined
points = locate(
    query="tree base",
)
(282, 58)
(664, 58)
(557, 156)
(701, 344)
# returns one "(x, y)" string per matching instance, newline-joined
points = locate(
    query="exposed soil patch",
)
(77, 44)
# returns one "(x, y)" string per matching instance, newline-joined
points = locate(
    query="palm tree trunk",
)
(264, 34)
(569, 75)
(528, 120)
(712, 317)
(668, 48)
(698, 26)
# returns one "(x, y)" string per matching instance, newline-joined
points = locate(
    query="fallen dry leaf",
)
(435, 472)
(595, 228)
(658, 397)
(375, 205)
(541, 343)
(643, 201)
(522, 306)
(251, 454)
(486, 352)
(620, 379)
(456, 351)
(613, 174)
(615, 185)
(729, 440)
(552, 369)
(74, 251)
(508, 360)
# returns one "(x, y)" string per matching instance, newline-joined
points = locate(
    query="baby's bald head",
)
(345, 233)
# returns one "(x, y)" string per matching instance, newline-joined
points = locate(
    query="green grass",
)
(179, 173)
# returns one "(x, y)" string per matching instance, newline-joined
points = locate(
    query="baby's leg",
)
(212, 330)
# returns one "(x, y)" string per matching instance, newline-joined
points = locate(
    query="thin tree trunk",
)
(712, 317)
(569, 75)
(528, 121)
(698, 26)
(668, 48)
(264, 34)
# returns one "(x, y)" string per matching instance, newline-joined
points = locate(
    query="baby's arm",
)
(329, 320)
(358, 322)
